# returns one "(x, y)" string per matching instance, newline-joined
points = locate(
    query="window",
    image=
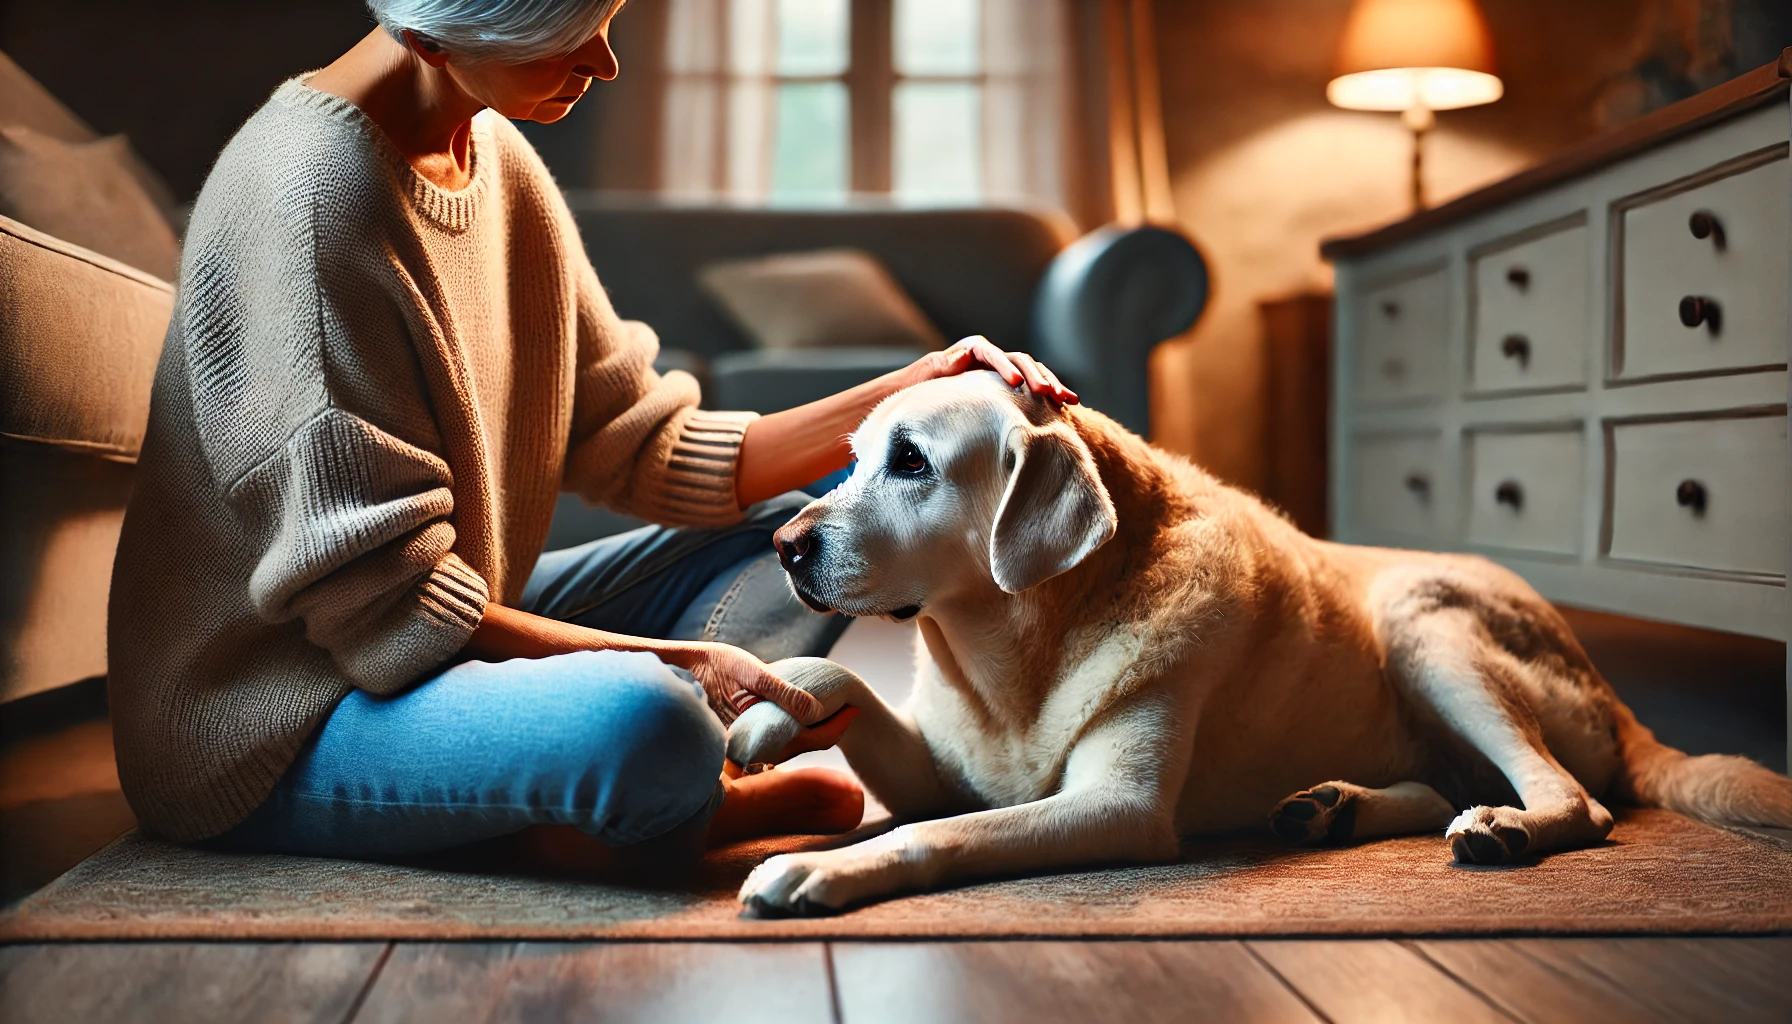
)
(938, 100)
(809, 101)
(810, 153)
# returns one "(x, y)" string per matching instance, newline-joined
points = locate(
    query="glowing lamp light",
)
(1416, 57)
(1408, 88)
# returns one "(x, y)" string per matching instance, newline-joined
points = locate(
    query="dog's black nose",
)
(795, 543)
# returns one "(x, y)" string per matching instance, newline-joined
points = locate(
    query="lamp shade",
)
(1407, 54)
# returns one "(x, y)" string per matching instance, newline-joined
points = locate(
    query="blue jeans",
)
(614, 743)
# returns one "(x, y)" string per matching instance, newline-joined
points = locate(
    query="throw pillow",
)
(826, 298)
(85, 193)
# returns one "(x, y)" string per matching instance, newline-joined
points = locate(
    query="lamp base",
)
(1419, 120)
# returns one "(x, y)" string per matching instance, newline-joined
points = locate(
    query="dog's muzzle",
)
(799, 546)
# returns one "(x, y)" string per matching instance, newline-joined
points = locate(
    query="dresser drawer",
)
(1530, 313)
(1703, 494)
(1525, 489)
(1393, 485)
(1704, 272)
(1400, 338)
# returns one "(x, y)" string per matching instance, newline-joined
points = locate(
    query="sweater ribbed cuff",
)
(454, 596)
(698, 485)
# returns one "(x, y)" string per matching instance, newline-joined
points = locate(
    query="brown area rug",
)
(1658, 874)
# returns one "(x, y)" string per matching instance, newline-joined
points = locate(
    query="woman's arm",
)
(786, 450)
(728, 674)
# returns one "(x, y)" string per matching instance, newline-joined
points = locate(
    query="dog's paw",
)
(761, 733)
(1488, 835)
(794, 885)
(1324, 814)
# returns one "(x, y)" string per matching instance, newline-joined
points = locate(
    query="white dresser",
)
(1581, 371)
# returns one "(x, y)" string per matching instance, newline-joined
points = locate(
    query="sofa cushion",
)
(828, 298)
(60, 514)
(773, 380)
(79, 338)
(86, 193)
(971, 270)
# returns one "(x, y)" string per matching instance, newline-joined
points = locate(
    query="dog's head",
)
(961, 483)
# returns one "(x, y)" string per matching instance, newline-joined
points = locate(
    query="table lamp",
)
(1417, 57)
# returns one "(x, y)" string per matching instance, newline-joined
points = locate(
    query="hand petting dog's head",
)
(964, 486)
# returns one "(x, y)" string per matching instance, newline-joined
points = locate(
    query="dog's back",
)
(1302, 631)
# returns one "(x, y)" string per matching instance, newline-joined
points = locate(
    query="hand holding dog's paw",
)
(765, 731)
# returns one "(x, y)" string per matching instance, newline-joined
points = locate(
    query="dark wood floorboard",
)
(1053, 982)
(1641, 979)
(1374, 981)
(451, 983)
(186, 982)
(1530, 980)
(1732, 980)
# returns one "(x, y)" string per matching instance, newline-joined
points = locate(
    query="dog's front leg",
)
(884, 746)
(1113, 805)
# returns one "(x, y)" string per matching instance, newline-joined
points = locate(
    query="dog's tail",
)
(1718, 788)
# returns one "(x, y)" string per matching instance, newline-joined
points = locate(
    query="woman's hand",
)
(735, 680)
(786, 450)
(979, 353)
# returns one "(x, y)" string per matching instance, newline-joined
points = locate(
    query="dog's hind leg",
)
(1338, 812)
(1440, 652)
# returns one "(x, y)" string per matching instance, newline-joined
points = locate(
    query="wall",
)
(177, 76)
(1263, 167)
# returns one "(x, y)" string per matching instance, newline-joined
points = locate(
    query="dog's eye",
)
(907, 460)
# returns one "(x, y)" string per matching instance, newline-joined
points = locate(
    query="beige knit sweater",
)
(371, 391)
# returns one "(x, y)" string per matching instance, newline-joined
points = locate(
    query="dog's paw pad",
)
(1319, 815)
(1487, 835)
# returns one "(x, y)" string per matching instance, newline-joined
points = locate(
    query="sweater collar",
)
(453, 210)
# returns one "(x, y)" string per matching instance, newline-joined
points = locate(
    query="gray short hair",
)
(507, 30)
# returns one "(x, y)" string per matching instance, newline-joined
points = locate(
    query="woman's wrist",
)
(506, 633)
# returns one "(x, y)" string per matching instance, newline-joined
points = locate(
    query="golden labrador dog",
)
(1121, 651)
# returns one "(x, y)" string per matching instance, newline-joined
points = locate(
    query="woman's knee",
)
(653, 746)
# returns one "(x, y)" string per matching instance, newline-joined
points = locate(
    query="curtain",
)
(1068, 93)
(1028, 102)
(717, 132)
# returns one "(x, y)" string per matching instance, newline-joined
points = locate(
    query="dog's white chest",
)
(1007, 763)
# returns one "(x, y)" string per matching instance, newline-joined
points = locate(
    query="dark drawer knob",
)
(1701, 309)
(1691, 494)
(1390, 309)
(1419, 484)
(1704, 224)
(1508, 493)
(1517, 346)
(1519, 278)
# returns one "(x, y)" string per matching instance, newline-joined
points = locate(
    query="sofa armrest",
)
(1106, 301)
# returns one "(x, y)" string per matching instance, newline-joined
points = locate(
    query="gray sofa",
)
(1092, 307)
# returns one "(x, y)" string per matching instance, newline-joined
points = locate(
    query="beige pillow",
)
(825, 298)
(85, 193)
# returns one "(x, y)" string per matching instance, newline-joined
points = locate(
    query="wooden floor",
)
(1460, 981)
(59, 801)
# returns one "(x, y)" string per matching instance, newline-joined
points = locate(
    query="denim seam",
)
(712, 629)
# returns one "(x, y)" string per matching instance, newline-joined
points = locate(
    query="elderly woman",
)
(331, 632)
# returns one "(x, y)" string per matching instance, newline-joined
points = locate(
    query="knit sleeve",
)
(639, 443)
(359, 547)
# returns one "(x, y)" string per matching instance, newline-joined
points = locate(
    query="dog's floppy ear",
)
(1053, 512)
